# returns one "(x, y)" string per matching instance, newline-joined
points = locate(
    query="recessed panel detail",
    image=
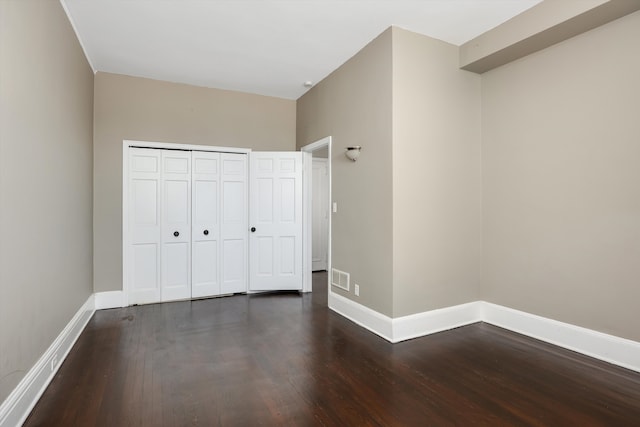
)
(205, 201)
(288, 200)
(265, 200)
(265, 166)
(265, 256)
(145, 199)
(177, 268)
(145, 266)
(176, 201)
(233, 258)
(233, 201)
(233, 167)
(176, 165)
(205, 258)
(287, 165)
(287, 255)
(144, 164)
(206, 166)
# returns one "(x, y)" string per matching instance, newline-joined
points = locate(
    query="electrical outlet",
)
(356, 289)
(54, 362)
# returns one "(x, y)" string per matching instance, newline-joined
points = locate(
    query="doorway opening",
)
(319, 220)
(185, 214)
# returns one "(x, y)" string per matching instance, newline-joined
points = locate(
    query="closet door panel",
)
(205, 264)
(205, 272)
(234, 265)
(176, 225)
(144, 225)
(234, 223)
(145, 271)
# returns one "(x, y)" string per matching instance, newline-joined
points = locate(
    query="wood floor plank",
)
(286, 360)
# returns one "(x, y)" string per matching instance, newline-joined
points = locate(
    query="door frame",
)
(307, 227)
(125, 196)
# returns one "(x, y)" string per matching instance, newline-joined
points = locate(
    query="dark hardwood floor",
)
(283, 359)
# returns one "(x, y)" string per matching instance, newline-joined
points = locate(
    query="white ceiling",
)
(268, 47)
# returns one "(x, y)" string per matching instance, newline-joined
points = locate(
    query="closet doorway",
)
(319, 149)
(203, 221)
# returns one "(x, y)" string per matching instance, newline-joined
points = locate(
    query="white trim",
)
(609, 348)
(177, 146)
(612, 349)
(16, 408)
(317, 145)
(430, 322)
(111, 299)
(406, 327)
(307, 222)
(369, 319)
(75, 30)
(125, 222)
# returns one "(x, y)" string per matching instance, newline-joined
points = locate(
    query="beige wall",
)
(150, 110)
(560, 190)
(561, 151)
(323, 153)
(46, 104)
(436, 176)
(353, 105)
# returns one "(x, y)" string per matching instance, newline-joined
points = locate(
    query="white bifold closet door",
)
(187, 224)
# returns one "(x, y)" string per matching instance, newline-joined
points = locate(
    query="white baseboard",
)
(430, 322)
(369, 319)
(17, 407)
(406, 327)
(612, 349)
(112, 299)
(609, 348)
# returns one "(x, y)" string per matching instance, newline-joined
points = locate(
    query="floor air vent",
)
(340, 279)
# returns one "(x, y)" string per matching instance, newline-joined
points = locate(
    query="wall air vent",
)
(340, 279)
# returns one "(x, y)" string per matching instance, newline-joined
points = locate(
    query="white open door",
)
(275, 221)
